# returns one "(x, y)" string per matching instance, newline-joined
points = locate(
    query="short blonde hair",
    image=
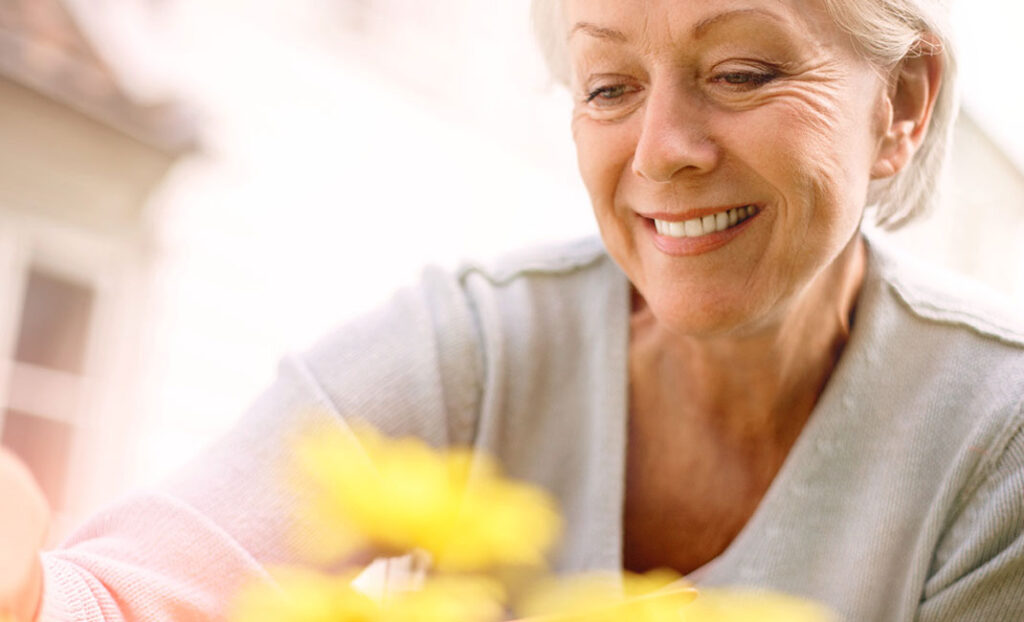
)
(887, 32)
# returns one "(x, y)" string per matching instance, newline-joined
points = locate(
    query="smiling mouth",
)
(706, 225)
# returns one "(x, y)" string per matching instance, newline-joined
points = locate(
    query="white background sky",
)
(325, 183)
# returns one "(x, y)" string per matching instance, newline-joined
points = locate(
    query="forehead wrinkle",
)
(702, 27)
(699, 30)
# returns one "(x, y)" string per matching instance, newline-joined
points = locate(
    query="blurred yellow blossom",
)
(752, 606)
(374, 495)
(659, 596)
(448, 599)
(656, 596)
(402, 495)
(306, 596)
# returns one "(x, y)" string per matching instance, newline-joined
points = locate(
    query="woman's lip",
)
(689, 246)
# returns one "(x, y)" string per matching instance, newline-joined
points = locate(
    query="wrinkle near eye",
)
(816, 89)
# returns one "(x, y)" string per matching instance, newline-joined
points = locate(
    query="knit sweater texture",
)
(902, 499)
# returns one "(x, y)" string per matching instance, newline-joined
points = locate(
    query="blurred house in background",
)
(78, 159)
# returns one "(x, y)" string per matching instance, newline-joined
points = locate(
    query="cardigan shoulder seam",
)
(543, 260)
(944, 297)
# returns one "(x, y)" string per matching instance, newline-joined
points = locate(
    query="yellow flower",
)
(659, 596)
(306, 596)
(448, 599)
(303, 596)
(752, 606)
(401, 495)
(656, 596)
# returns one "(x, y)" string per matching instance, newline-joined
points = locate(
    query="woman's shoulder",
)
(553, 281)
(945, 354)
(433, 346)
(942, 354)
(947, 301)
(957, 355)
(537, 305)
(544, 260)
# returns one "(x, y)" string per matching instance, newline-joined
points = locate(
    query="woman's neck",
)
(765, 382)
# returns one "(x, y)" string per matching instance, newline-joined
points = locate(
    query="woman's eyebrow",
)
(599, 32)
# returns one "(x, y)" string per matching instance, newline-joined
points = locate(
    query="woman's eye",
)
(609, 94)
(748, 79)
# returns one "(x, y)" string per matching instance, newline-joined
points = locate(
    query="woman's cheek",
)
(602, 156)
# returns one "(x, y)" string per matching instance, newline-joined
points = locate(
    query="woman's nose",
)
(674, 136)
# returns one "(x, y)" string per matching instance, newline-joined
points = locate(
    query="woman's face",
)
(690, 114)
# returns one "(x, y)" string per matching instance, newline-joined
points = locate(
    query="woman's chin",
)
(706, 321)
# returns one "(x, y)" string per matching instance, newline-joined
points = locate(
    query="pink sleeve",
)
(151, 558)
(182, 550)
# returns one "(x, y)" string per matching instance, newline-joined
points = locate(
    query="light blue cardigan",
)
(903, 498)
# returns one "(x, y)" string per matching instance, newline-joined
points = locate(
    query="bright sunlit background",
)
(343, 144)
(347, 144)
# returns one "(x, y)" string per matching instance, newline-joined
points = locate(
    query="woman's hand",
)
(24, 521)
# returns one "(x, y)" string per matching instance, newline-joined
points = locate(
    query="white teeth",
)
(696, 227)
(709, 223)
(721, 221)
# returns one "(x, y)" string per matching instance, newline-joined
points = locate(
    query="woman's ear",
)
(910, 100)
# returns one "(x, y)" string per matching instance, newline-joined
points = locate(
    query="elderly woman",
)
(736, 384)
